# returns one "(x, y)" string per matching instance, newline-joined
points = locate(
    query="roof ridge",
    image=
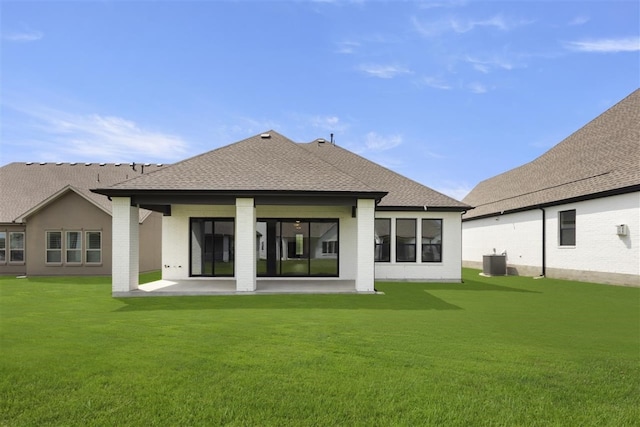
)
(383, 167)
(171, 165)
(543, 189)
(300, 147)
(566, 139)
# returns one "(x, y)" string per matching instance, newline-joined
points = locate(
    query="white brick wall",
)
(365, 215)
(519, 234)
(598, 248)
(175, 236)
(449, 270)
(354, 239)
(125, 241)
(245, 260)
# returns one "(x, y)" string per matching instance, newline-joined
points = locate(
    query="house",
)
(572, 213)
(270, 208)
(51, 224)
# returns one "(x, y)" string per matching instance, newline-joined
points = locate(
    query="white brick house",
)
(262, 208)
(572, 213)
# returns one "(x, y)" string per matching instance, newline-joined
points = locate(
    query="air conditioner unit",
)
(622, 229)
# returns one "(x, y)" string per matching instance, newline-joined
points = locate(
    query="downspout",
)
(544, 243)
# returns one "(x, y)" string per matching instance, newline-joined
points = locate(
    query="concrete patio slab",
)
(228, 287)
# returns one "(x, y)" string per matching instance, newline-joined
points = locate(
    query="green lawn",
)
(503, 351)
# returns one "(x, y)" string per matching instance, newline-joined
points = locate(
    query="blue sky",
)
(445, 92)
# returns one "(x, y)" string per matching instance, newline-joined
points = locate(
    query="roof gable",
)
(270, 162)
(27, 187)
(601, 157)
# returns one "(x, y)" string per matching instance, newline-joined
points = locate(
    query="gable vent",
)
(265, 135)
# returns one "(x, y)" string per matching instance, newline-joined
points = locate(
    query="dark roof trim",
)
(424, 208)
(110, 192)
(608, 193)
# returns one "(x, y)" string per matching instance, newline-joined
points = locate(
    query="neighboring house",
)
(573, 212)
(267, 207)
(51, 224)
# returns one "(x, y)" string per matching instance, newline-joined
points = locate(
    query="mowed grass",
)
(503, 351)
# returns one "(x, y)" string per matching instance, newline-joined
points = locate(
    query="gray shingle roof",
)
(402, 191)
(601, 157)
(278, 164)
(24, 186)
(254, 164)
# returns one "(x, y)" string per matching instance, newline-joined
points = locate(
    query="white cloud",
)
(435, 82)
(376, 142)
(24, 36)
(347, 47)
(384, 71)
(627, 44)
(457, 190)
(485, 65)
(430, 29)
(478, 88)
(329, 123)
(463, 25)
(106, 138)
(441, 4)
(579, 20)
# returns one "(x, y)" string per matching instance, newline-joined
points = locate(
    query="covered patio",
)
(228, 287)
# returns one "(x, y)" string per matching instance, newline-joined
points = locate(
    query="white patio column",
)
(245, 256)
(365, 270)
(125, 245)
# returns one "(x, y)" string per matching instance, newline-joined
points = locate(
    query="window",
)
(54, 247)
(405, 240)
(382, 236)
(568, 228)
(297, 247)
(3, 246)
(212, 247)
(74, 247)
(16, 246)
(94, 247)
(431, 240)
(329, 247)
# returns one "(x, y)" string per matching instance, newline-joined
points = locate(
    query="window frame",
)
(563, 229)
(209, 241)
(47, 249)
(12, 250)
(87, 249)
(382, 244)
(438, 245)
(407, 245)
(67, 249)
(3, 249)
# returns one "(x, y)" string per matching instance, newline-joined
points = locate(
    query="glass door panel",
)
(323, 249)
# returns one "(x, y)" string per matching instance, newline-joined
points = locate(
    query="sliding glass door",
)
(297, 248)
(212, 247)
